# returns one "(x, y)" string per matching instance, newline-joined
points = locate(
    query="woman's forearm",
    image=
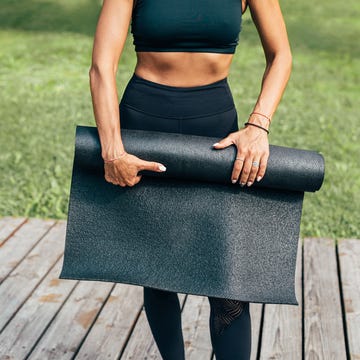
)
(109, 40)
(275, 79)
(106, 111)
(271, 27)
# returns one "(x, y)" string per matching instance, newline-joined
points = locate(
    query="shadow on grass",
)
(78, 16)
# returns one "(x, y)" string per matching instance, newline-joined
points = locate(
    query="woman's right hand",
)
(124, 170)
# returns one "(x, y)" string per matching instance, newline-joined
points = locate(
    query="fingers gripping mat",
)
(189, 229)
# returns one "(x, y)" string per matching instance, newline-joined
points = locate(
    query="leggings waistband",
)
(136, 78)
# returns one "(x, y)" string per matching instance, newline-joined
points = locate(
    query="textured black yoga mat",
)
(189, 229)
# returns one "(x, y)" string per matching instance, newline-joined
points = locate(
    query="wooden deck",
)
(43, 317)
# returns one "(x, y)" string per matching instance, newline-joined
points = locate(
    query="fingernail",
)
(258, 178)
(162, 167)
(233, 181)
(249, 183)
(215, 144)
(242, 184)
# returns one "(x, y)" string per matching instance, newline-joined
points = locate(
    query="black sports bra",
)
(186, 25)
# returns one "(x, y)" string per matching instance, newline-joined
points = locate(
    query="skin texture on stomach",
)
(183, 69)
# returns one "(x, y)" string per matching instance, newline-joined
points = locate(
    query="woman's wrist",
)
(111, 153)
(256, 127)
(260, 118)
(258, 121)
(112, 159)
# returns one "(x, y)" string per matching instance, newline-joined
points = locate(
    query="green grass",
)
(45, 49)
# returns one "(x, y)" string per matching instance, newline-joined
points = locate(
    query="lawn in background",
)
(45, 51)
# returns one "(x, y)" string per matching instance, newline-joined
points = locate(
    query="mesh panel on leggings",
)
(223, 312)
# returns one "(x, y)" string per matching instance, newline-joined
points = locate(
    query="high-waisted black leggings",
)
(206, 110)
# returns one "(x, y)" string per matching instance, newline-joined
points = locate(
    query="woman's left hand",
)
(252, 154)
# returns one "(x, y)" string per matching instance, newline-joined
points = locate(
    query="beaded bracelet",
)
(258, 126)
(111, 160)
(257, 113)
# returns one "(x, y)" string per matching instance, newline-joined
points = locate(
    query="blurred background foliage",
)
(45, 54)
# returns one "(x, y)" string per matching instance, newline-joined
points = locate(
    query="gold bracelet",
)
(257, 113)
(111, 160)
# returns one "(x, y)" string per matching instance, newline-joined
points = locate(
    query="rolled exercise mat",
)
(188, 229)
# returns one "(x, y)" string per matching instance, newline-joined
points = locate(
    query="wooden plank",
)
(349, 256)
(72, 323)
(14, 250)
(114, 324)
(195, 323)
(34, 316)
(141, 344)
(9, 225)
(324, 333)
(282, 328)
(255, 315)
(21, 282)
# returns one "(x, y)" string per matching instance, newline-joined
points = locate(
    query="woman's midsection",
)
(200, 110)
(183, 68)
